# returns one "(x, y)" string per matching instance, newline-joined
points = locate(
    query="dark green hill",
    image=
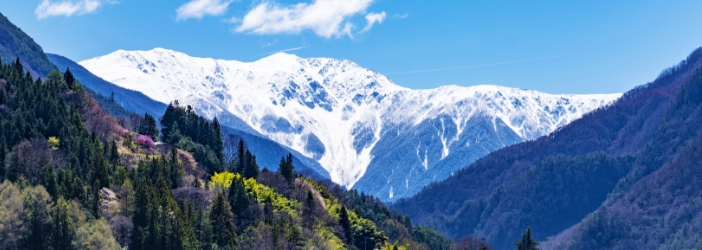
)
(554, 182)
(15, 43)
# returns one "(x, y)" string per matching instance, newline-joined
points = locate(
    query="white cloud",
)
(200, 8)
(326, 18)
(403, 16)
(69, 8)
(373, 18)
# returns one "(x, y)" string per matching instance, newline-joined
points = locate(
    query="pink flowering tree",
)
(145, 141)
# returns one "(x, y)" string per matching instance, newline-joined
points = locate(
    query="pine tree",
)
(148, 127)
(114, 154)
(527, 243)
(224, 230)
(345, 223)
(50, 181)
(240, 156)
(287, 169)
(217, 141)
(203, 229)
(70, 80)
(176, 170)
(63, 226)
(251, 167)
(309, 209)
(3, 158)
(96, 201)
(239, 200)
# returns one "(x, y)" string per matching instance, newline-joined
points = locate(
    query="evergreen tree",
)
(251, 167)
(203, 229)
(114, 154)
(70, 80)
(100, 172)
(240, 156)
(40, 207)
(3, 157)
(95, 200)
(217, 142)
(239, 199)
(50, 182)
(345, 223)
(527, 243)
(148, 127)
(287, 169)
(223, 229)
(63, 226)
(176, 170)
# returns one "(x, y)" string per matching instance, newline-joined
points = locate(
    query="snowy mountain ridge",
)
(349, 118)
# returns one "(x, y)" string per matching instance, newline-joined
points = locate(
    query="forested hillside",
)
(15, 43)
(74, 178)
(623, 169)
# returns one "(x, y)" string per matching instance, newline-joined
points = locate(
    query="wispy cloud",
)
(326, 18)
(281, 51)
(200, 8)
(470, 66)
(400, 16)
(373, 18)
(69, 8)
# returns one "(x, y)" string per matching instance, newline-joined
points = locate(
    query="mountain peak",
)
(354, 121)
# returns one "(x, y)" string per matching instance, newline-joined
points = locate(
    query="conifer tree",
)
(3, 157)
(70, 80)
(287, 169)
(527, 243)
(203, 229)
(223, 229)
(148, 127)
(239, 200)
(96, 200)
(176, 170)
(240, 156)
(50, 181)
(251, 167)
(63, 226)
(345, 223)
(114, 154)
(217, 142)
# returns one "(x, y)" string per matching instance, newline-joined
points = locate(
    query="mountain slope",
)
(269, 151)
(366, 131)
(129, 99)
(552, 183)
(15, 43)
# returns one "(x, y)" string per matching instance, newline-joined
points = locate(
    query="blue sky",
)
(551, 46)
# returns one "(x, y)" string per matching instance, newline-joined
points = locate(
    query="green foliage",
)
(431, 238)
(182, 122)
(95, 235)
(15, 43)
(148, 127)
(345, 223)
(286, 167)
(239, 199)
(43, 125)
(221, 217)
(221, 181)
(527, 242)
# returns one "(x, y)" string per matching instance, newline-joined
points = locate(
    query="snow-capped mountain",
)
(367, 132)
